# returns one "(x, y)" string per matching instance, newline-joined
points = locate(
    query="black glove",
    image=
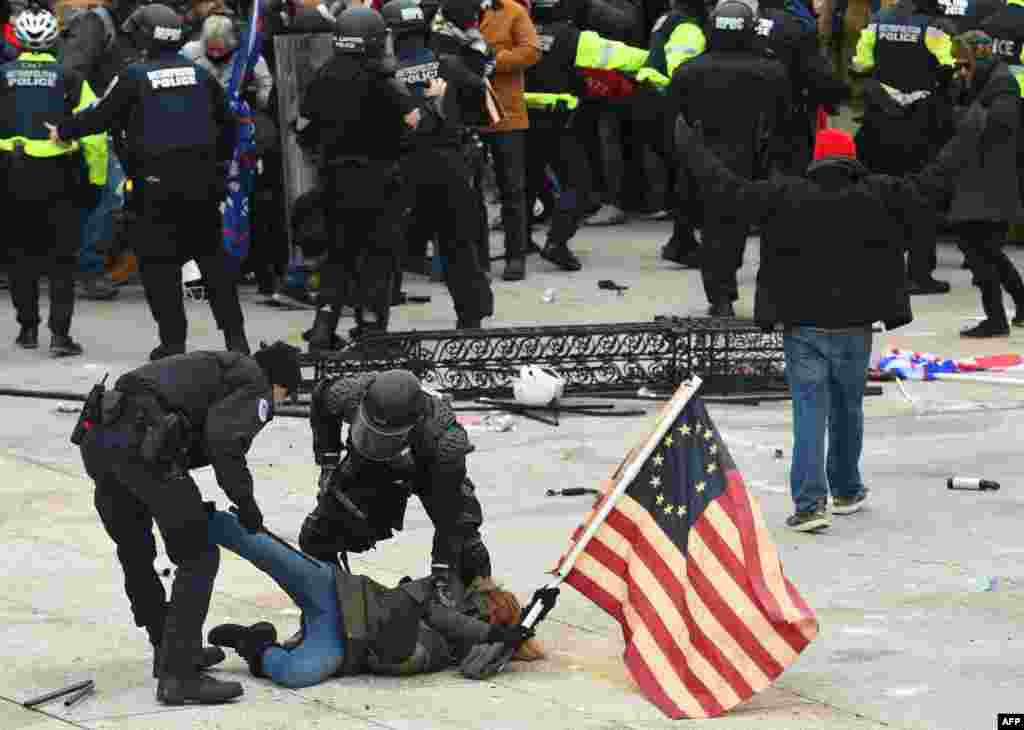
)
(510, 636)
(249, 515)
(442, 580)
(485, 660)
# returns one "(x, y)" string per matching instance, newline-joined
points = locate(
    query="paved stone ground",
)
(909, 639)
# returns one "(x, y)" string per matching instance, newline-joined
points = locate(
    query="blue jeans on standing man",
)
(827, 372)
(98, 224)
(313, 587)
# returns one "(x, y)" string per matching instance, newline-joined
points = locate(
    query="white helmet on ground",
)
(36, 29)
(537, 386)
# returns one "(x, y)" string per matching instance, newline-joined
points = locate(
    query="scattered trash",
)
(67, 408)
(609, 285)
(905, 691)
(493, 422)
(549, 296)
(778, 453)
(985, 584)
(979, 485)
(572, 492)
(166, 572)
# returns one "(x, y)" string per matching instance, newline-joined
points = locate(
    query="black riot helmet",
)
(464, 14)
(732, 25)
(393, 404)
(362, 32)
(155, 28)
(404, 17)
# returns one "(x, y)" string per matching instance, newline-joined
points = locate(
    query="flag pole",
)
(672, 410)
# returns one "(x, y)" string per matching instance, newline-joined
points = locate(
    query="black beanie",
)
(280, 363)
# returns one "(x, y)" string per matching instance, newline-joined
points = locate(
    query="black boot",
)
(162, 351)
(198, 690)
(250, 642)
(515, 269)
(237, 342)
(322, 335)
(64, 346)
(721, 308)
(561, 256)
(994, 324)
(469, 323)
(28, 338)
(209, 656)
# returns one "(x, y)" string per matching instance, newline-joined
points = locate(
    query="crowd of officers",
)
(429, 91)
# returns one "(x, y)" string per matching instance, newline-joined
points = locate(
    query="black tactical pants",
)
(130, 495)
(42, 191)
(509, 151)
(438, 187)
(175, 227)
(364, 222)
(722, 245)
(551, 142)
(51, 250)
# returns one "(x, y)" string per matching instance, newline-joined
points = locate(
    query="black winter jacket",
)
(831, 252)
(227, 400)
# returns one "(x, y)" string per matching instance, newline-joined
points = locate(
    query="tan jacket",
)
(510, 32)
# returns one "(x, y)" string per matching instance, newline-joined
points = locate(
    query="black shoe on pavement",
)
(515, 269)
(927, 286)
(64, 346)
(721, 308)
(161, 351)
(1018, 318)
(250, 642)
(987, 328)
(561, 257)
(815, 519)
(198, 690)
(97, 287)
(469, 323)
(849, 505)
(28, 338)
(209, 656)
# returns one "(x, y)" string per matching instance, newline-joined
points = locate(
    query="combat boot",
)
(64, 346)
(209, 656)
(322, 335)
(250, 642)
(237, 342)
(28, 338)
(198, 690)
(561, 256)
(161, 351)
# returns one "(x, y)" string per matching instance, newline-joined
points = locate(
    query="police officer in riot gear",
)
(46, 184)
(814, 83)
(435, 170)
(402, 440)
(706, 90)
(355, 113)
(907, 112)
(178, 128)
(1006, 28)
(158, 422)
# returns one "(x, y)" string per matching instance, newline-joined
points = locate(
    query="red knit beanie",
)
(834, 143)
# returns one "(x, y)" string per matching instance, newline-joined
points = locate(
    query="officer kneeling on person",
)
(178, 128)
(402, 440)
(160, 421)
(45, 182)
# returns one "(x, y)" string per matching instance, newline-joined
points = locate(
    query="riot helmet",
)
(394, 403)
(362, 32)
(558, 11)
(404, 17)
(36, 29)
(155, 28)
(732, 25)
(465, 14)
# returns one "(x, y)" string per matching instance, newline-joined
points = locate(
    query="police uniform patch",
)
(264, 410)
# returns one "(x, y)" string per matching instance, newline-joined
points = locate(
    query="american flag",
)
(685, 563)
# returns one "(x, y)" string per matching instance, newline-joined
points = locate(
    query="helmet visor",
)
(374, 441)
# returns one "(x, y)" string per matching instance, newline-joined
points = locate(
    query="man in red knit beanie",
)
(834, 143)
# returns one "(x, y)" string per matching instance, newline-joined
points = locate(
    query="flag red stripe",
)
(736, 503)
(592, 590)
(649, 683)
(731, 563)
(605, 555)
(676, 592)
(798, 600)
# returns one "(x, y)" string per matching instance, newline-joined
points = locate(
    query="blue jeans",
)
(98, 224)
(827, 371)
(311, 585)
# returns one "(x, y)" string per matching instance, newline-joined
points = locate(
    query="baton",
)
(80, 695)
(282, 541)
(57, 693)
